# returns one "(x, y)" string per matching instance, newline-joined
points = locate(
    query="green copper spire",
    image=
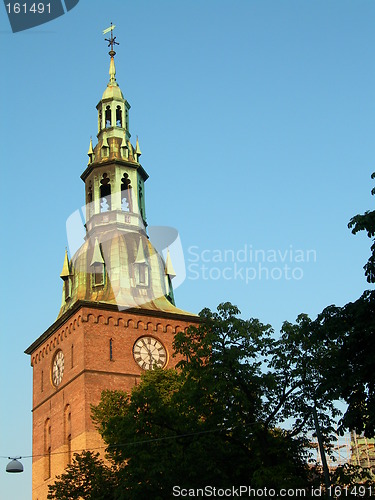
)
(169, 270)
(141, 259)
(97, 257)
(112, 71)
(65, 273)
(117, 264)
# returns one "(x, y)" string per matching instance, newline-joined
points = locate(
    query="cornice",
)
(114, 161)
(81, 304)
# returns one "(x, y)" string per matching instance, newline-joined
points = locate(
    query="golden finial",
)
(111, 41)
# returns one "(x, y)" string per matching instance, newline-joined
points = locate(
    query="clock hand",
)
(147, 348)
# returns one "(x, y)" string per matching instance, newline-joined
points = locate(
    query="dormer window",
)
(97, 274)
(97, 266)
(141, 269)
(67, 288)
(141, 274)
(65, 276)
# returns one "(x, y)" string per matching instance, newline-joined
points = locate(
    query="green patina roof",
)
(121, 247)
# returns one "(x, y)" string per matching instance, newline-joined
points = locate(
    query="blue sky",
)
(256, 124)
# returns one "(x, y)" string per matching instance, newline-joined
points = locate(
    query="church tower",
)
(117, 316)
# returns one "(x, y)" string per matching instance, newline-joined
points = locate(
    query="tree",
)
(239, 408)
(204, 422)
(87, 477)
(347, 335)
(227, 356)
(366, 222)
(213, 421)
(299, 389)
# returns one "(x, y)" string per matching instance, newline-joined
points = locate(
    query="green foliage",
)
(204, 422)
(350, 475)
(366, 222)
(87, 477)
(217, 419)
(299, 383)
(347, 367)
(211, 421)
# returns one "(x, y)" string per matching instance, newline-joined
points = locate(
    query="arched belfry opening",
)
(141, 202)
(89, 194)
(105, 194)
(100, 117)
(108, 118)
(118, 116)
(90, 198)
(126, 198)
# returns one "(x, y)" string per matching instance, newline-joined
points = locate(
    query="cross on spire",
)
(111, 41)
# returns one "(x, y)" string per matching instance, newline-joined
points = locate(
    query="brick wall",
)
(84, 339)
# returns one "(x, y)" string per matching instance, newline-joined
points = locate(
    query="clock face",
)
(58, 368)
(148, 352)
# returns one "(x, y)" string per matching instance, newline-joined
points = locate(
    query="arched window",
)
(141, 201)
(89, 200)
(108, 118)
(110, 349)
(126, 199)
(69, 444)
(118, 116)
(68, 434)
(47, 449)
(105, 194)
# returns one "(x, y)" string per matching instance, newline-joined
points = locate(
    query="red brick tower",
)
(117, 316)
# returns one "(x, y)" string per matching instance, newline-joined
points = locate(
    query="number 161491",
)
(23, 8)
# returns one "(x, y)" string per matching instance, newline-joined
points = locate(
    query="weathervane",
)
(111, 41)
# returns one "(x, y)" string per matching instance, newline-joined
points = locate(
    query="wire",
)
(118, 445)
